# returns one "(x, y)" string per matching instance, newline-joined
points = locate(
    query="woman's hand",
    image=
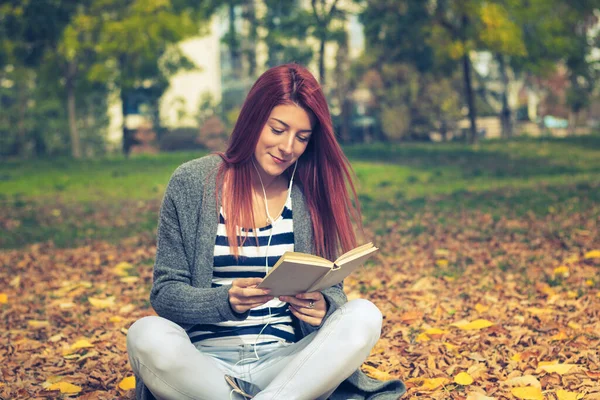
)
(308, 307)
(244, 295)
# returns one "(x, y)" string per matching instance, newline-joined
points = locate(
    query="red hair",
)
(323, 171)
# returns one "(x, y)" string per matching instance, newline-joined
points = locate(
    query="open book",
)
(300, 272)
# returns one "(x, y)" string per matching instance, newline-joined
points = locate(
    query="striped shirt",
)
(250, 264)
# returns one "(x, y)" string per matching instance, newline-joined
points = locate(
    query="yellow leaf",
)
(115, 319)
(560, 336)
(539, 311)
(527, 393)
(564, 395)
(15, 282)
(129, 279)
(123, 265)
(65, 387)
(474, 325)
(127, 383)
(592, 254)
(441, 263)
(423, 337)
(52, 379)
(563, 271)
(480, 308)
(126, 309)
(516, 357)
(572, 294)
(442, 252)
(571, 259)
(574, 325)
(560, 369)
(429, 383)
(590, 282)
(3, 298)
(102, 303)
(80, 344)
(37, 324)
(376, 374)
(463, 379)
(451, 347)
(435, 331)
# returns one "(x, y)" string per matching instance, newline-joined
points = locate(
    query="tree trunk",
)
(234, 45)
(470, 99)
(253, 38)
(506, 113)
(322, 62)
(71, 110)
(127, 139)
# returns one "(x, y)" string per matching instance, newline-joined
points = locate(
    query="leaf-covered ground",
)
(512, 301)
(488, 274)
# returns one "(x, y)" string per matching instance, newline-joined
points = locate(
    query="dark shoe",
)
(235, 384)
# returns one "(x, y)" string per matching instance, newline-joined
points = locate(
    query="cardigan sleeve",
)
(172, 295)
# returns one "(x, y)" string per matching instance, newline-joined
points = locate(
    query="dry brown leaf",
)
(376, 374)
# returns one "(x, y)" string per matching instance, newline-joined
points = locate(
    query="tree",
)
(323, 16)
(134, 45)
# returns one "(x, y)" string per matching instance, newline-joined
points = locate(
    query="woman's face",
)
(283, 139)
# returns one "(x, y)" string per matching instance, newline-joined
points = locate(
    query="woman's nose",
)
(287, 145)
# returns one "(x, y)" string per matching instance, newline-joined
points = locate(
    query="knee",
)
(368, 320)
(147, 340)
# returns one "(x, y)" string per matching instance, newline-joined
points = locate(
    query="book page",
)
(339, 272)
(292, 277)
(353, 252)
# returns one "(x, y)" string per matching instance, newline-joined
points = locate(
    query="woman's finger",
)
(314, 321)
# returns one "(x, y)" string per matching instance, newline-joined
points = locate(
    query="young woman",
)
(282, 185)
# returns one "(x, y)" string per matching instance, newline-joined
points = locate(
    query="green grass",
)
(69, 201)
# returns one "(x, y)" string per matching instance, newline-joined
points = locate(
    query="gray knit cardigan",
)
(183, 268)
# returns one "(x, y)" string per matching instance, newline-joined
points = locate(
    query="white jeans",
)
(171, 367)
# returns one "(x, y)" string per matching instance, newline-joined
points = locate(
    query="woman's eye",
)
(277, 132)
(303, 139)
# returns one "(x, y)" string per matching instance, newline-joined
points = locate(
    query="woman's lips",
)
(277, 160)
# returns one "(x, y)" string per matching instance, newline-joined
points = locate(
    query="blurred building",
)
(223, 78)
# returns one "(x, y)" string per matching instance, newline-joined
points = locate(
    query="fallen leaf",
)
(539, 311)
(527, 393)
(80, 344)
(560, 336)
(37, 324)
(376, 374)
(474, 325)
(435, 331)
(593, 374)
(127, 383)
(422, 337)
(525, 380)
(102, 303)
(592, 254)
(428, 383)
(560, 369)
(463, 379)
(65, 387)
(3, 298)
(441, 263)
(562, 271)
(574, 325)
(15, 282)
(565, 395)
(479, 396)
(480, 308)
